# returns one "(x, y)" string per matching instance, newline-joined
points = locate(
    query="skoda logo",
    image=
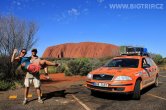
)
(102, 75)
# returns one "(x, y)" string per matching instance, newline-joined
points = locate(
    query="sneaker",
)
(40, 101)
(46, 76)
(57, 64)
(24, 102)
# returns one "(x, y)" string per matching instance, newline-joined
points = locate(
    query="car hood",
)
(116, 71)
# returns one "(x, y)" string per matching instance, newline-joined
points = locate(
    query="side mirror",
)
(146, 66)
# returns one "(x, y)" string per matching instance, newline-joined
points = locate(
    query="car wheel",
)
(137, 92)
(156, 84)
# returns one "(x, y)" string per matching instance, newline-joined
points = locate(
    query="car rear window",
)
(126, 63)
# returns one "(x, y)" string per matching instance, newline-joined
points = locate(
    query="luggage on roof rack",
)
(130, 50)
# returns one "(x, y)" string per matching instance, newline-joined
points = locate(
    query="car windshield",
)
(126, 63)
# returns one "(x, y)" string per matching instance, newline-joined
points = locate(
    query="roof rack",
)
(133, 51)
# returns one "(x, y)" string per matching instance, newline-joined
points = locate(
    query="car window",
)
(149, 61)
(153, 63)
(128, 63)
(144, 62)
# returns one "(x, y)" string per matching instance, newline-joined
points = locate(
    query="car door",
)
(152, 69)
(146, 72)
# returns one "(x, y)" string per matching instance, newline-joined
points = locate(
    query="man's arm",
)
(14, 58)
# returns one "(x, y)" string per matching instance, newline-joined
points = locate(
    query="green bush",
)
(96, 63)
(158, 59)
(7, 69)
(4, 85)
(81, 66)
(77, 66)
(72, 67)
(104, 60)
(85, 66)
(68, 73)
(61, 68)
(3, 69)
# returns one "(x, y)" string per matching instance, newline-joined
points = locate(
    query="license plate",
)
(100, 84)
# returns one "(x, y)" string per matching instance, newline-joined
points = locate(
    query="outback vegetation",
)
(14, 33)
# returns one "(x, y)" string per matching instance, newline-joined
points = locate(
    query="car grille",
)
(102, 77)
(106, 88)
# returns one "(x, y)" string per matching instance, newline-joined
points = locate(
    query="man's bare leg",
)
(38, 90)
(26, 91)
(48, 63)
(46, 73)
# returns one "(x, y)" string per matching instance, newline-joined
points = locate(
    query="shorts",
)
(35, 81)
(33, 68)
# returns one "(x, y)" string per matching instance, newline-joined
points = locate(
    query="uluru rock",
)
(81, 50)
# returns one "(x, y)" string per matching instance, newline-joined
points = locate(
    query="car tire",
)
(137, 92)
(156, 84)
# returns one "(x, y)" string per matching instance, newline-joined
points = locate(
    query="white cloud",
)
(73, 12)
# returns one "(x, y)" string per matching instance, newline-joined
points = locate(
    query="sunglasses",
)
(23, 52)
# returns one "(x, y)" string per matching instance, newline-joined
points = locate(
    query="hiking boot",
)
(25, 102)
(40, 101)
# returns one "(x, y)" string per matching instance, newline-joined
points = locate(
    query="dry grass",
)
(162, 67)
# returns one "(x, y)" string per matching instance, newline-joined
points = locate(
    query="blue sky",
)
(63, 21)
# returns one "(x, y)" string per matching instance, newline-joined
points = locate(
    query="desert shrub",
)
(158, 59)
(96, 63)
(67, 72)
(10, 76)
(73, 67)
(104, 60)
(77, 66)
(7, 70)
(80, 66)
(4, 85)
(164, 60)
(85, 66)
(62, 68)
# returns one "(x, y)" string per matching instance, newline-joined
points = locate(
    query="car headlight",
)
(89, 76)
(122, 78)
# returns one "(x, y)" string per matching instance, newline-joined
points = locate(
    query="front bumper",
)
(114, 87)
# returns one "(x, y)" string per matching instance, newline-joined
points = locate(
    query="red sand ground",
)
(59, 80)
(60, 77)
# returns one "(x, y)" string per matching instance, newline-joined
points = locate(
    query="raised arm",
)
(14, 58)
